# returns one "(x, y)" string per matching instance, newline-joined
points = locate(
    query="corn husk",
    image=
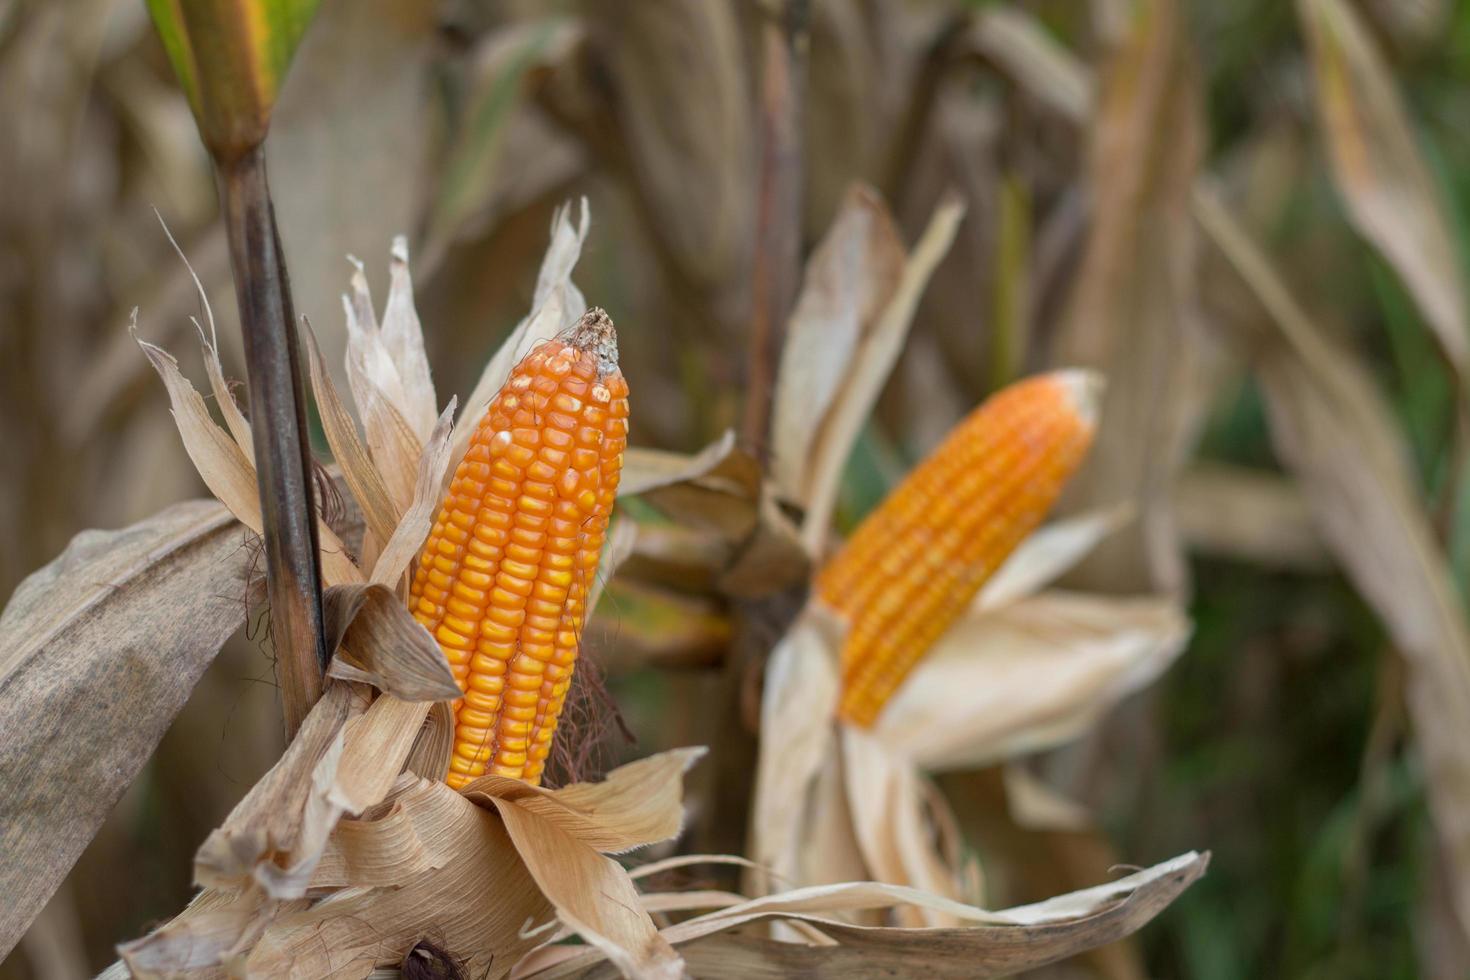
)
(975, 699)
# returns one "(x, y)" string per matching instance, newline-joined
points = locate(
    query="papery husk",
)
(488, 871)
(1390, 193)
(383, 645)
(556, 305)
(226, 470)
(866, 372)
(990, 944)
(973, 699)
(120, 626)
(1131, 314)
(850, 277)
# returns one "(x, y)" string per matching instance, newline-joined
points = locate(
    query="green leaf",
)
(231, 57)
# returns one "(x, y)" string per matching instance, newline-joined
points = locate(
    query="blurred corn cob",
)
(503, 579)
(917, 561)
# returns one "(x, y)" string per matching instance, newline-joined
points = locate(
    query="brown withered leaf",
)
(351, 456)
(1130, 314)
(1334, 430)
(274, 835)
(1250, 515)
(430, 754)
(991, 944)
(383, 645)
(871, 364)
(849, 279)
(1391, 196)
(688, 134)
(225, 469)
(115, 632)
(355, 131)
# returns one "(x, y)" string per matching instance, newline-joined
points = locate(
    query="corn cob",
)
(503, 579)
(913, 566)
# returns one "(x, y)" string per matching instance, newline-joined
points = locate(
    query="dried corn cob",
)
(503, 579)
(914, 565)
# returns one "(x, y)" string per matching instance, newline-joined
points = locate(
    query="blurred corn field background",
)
(1250, 215)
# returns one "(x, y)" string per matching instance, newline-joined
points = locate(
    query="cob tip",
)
(1083, 389)
(594, 333)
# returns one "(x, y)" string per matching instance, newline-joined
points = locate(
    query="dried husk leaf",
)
(383, 645)
(687, 133)
(648, 469)
(414, 526)
(430, 754)
(593, 895)
(223, 397)
(1391, 196)
(1250, 515)
(121, 625)
(378, 393)
(556, 305)
(718, 490)
(274, 836)
(876, 354)
(797, 705)
(974, 698)
(403, 338)
(217, 927)
(225, 469)
(368, 490)
(1048, 553)
(994, 944)
(849, 279)
(637, 804)
(460, 872)
(887, 803)
(1131, 311)
(1334, 431)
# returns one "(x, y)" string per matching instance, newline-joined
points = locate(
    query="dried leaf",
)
(430, 754)
(997, 944)
(871, 366)
(378, 393)
(383, 645)
(1249, 515)
(849, 279)
(414, 526)
(557, 304)
(648, 469)
(887, 803)
(223, 397)
(1131, 310)
(974, 699)
(717, 490)
(798, 702)
(481, 901)
(351, 456)
(121, 626)
(224, 468)
(375, 746)
(1391, 196)
(1333, 429)
(1048, 553)
(637, 804)
(592, 894)
(403, 338)
(274, 836)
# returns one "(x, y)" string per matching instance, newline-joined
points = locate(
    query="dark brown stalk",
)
(785, 39)
(278, 423)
